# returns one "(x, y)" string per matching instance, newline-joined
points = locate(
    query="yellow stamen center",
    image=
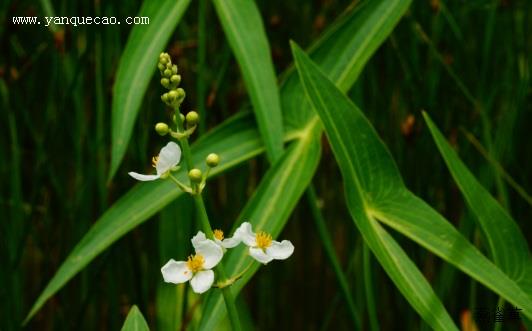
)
(154, 161)
(195, 262)
(219, 234)
(263, 239)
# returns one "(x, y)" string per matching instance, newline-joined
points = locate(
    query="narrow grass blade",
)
(499, 168)
(136, 67)
(244, 30)
(368, 177)
(506, 241)
(135, 321)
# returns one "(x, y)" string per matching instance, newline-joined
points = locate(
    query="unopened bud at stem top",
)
(212, 160)
(192, 118)
(195, 175)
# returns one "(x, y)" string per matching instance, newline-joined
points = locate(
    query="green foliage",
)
(135, 321)
(81, 104)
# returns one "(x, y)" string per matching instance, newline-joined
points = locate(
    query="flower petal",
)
(176, 272)
(197, 239)
(168, 158)
(259, 255)
(211, 252)
(229, 242)
(280, 250)
(246, 234)
(202, 281)
(142, 177)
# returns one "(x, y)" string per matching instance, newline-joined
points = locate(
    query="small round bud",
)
(161, 128)
(212, 160)
(192, 118)
(174, 69)
(175, 79)
(195, 175)
(161, 66)
(167, 73)
(163, 60)
(164, 97)
(165, 82)
(180, 93)
(164, 56)
(172, 95)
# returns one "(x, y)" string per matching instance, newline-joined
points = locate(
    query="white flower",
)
(218, 239)
(261, 246)
(197, 268)
(167, 159)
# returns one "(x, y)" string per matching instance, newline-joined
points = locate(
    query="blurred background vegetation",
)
(466, 62)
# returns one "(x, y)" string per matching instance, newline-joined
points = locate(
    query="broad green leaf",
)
(136, 67)
(506, 241)
(369, 176)
(374, 192)
(135, 321)
(235, 141)
(268, 210)
(244, 30)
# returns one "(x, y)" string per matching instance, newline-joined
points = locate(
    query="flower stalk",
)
(205, 224)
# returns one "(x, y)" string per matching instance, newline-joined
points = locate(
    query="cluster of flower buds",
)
(170, 80)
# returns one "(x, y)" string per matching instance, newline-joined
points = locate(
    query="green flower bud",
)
(164, 97)
(172, 95)
(180, 94)
(174, 69)
(163, 56)
(161, 66)
(163, 60)
(212, 160)
(165, 82)
(161, 128)
(175, 79)
(195, 175)
(192, 118)
(167, 73)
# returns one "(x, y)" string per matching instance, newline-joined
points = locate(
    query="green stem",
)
(226, 291)
(206, 226)
(500, 304)
(331, 254)
(370, 295)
